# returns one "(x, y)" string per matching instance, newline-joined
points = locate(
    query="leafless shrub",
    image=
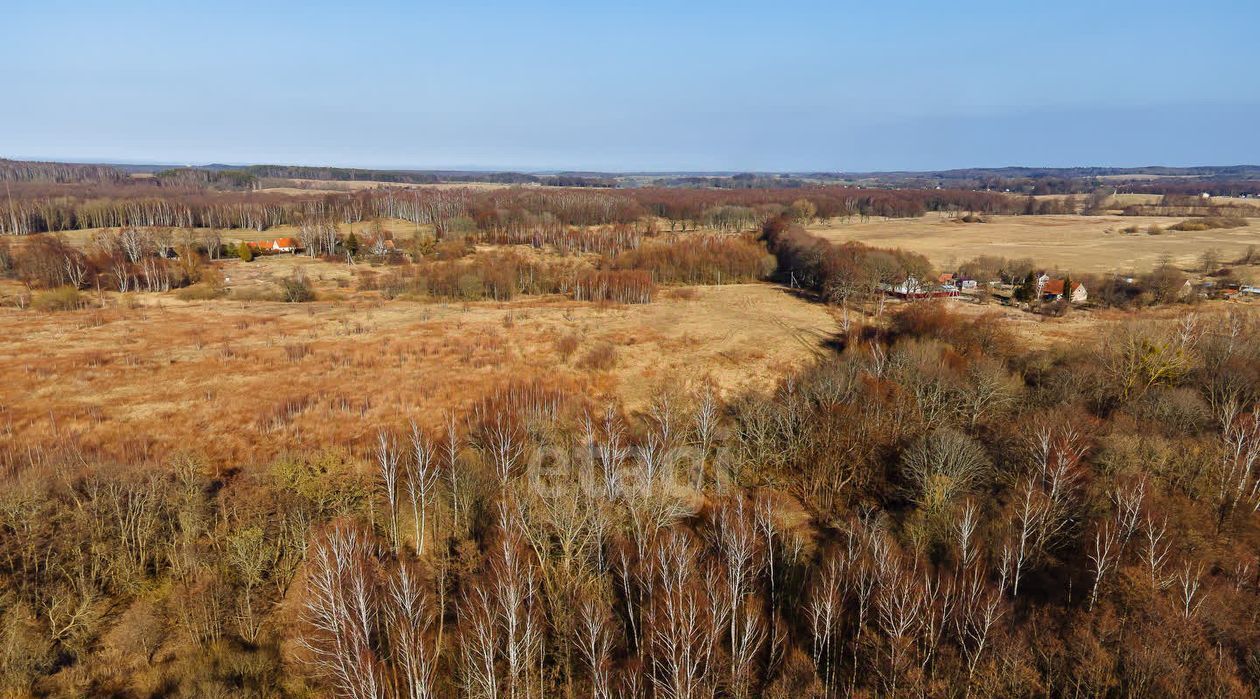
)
(601, 357)
(566, 344)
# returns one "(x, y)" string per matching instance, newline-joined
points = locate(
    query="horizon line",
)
(144, 162)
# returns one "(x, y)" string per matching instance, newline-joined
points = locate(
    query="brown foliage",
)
(601, 357)
(699, 259)
(618, 286)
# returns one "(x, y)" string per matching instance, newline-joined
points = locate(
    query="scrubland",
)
(515, 455)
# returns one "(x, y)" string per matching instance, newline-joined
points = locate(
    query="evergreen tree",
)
(1028, 290)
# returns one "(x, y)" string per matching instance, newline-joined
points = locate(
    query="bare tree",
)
(610, 449)
(515, 588)
(388, 461)
(250, 556)
(409, 614)
(1238, 473)
(682, 631)
(504, 445)
(594, 640)
(704, 428)
(451, 447)
(421, 480)
(1046, 499)
(1189, 581)
(943, 466)
(340, 613)
(479, 639)
(740, 550)
(979, 610)
(212, 240)
(1155, 553)
(898, 604)
(134, 243)
(825, 611)
(1103, 557)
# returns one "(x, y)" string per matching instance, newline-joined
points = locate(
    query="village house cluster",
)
(950, 285)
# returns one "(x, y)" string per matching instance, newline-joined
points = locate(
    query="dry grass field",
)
(1117, 202)
(1074, 243)
(232, 380)
(244, 378)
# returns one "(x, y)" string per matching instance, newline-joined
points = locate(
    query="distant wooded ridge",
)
(1230, 180)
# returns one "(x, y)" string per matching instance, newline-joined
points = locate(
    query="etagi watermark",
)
(625, 473)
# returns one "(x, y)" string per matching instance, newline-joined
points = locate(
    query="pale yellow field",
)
(1083, 244)
(1119, 201)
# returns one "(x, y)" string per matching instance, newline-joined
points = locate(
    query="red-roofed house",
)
(1052, 290)
(277, 245)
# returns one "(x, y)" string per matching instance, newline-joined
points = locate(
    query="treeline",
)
(126, 260)
(847, 273)
(46, 208)
(690, 205)
(1192, 205)
(60, 173)
(503, 276)
(512, 212)
(188, 198)
(571, 180)
(211, 179)
(1217, 180)
(394, 176)
(452, 271)
(934, 511)
(744, 180)
(1223, 187)
(134, 259)
(699, 259)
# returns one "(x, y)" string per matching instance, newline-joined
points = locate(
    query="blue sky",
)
(786, 85)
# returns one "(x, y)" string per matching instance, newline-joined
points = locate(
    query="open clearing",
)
(1074, 243)
(233, 380)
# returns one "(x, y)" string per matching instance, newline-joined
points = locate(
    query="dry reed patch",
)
(243, 382)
